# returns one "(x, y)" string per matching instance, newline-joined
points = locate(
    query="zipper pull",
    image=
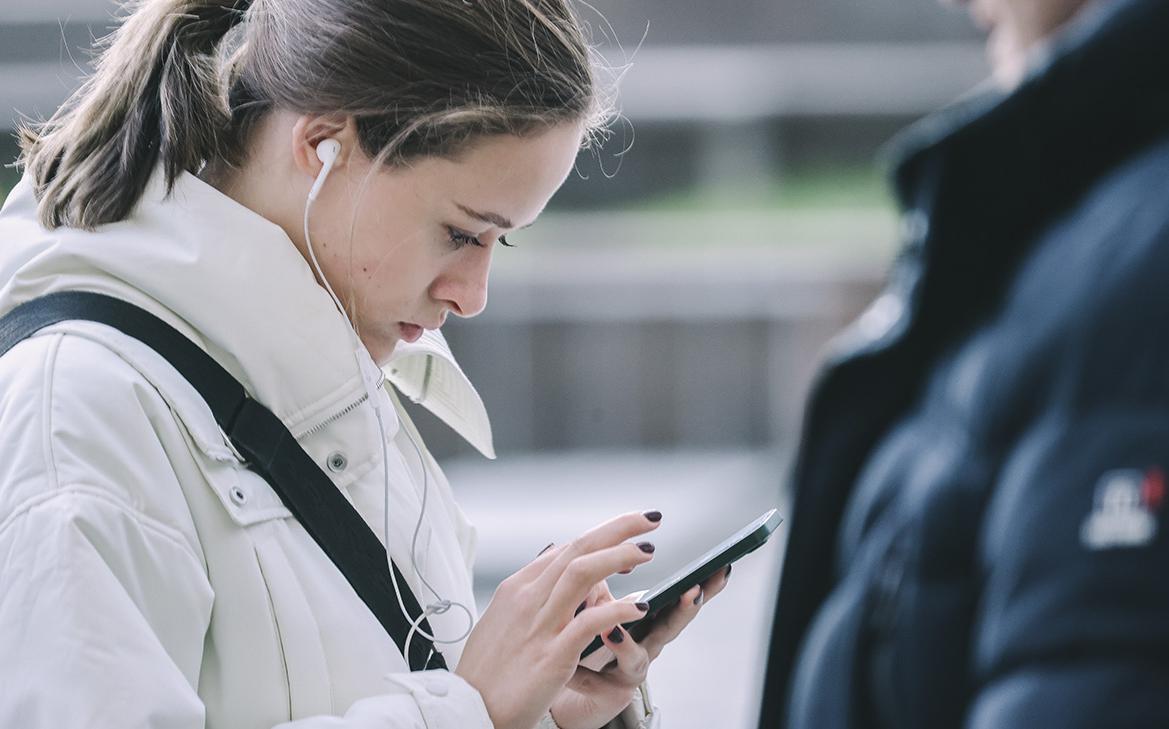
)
(371, 375)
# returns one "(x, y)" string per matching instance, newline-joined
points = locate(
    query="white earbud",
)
(327, 151)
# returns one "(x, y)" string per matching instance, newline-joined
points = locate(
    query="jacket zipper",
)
(880, 657)
(333, 418)
(340, 413)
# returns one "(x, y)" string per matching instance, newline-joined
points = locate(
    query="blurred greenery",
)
(824, 214)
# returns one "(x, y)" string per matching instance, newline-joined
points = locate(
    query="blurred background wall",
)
(651, 341)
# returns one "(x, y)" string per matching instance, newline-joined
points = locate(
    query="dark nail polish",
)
(580, 607)
(698, 600)
(654, 516)
(642, 606)
(646, 547)
(625, 572)
(616, 635)
(545, 549)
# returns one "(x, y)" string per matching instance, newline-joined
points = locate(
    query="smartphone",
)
(666, 593)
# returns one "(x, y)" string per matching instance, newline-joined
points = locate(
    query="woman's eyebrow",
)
(493, 218)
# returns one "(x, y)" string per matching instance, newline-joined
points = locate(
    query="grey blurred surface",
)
(711, 675)
(630, 347)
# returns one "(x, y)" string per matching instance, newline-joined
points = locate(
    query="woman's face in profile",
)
(423, 234)
(1015, 26)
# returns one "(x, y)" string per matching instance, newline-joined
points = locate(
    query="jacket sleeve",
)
(1072, 630)
(101, 615)
(104, 603)
(640, 714)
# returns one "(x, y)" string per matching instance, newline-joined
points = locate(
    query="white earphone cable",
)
(372, 382)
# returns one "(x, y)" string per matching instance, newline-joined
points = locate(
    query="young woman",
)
(305, 189)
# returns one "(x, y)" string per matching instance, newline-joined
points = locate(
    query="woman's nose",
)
(463, 286)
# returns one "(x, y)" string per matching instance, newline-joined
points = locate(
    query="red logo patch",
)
(1153, 488)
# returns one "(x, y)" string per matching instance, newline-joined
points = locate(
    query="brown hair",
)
(184, 81)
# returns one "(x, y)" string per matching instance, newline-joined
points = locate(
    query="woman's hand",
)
(527, 645)
(593, 698)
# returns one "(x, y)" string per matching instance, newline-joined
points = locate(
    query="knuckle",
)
(515, 596)
(525, 594)
(577, 546)
(507, 586)
(577, 570)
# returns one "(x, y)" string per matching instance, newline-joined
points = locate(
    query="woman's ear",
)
(309, 130)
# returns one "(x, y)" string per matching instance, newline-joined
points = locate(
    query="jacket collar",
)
(233, 282)
(982, 180)
(1096, 95)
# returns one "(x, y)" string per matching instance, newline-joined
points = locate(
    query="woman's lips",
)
(410, 332)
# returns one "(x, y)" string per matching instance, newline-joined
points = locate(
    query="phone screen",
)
(667, 592)
(743, 542)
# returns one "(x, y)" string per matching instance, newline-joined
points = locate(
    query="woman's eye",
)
(460, 239)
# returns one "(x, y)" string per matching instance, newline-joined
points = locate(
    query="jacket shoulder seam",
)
(54, 485)
(50, 458)
(86, 491)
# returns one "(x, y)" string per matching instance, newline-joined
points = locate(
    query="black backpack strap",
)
(271, 451)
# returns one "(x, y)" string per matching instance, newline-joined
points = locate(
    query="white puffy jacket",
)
(147, 579)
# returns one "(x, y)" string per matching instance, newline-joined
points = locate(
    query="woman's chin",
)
(380, 348)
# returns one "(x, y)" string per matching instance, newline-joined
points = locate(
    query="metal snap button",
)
(238, 496)
(337, 462)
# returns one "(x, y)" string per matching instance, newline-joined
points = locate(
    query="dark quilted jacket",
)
(979, 533)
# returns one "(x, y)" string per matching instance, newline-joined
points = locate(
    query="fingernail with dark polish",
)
(654, 516)
(545, 549)
(646, 547)
(698, 600)
(616, 636)
(642, 606)
(625, 572)
(580, 607)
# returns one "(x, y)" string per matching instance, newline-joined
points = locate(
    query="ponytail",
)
(420, 78)
(155, 94)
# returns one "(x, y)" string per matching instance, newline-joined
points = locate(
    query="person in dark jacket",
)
(979, 533)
